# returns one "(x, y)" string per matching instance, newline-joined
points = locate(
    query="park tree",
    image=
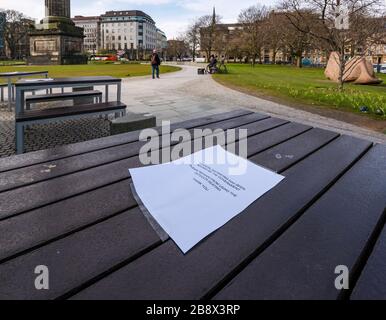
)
(339, 25)
(177, 48)
(235, 46)
(296, 41)
(254, 36)
(192, 38)
(210, 35)
(275, 27)
(16, 31)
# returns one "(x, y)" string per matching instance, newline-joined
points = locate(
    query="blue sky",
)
(172, 16)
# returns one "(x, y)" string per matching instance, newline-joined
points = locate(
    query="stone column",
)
(58, 8)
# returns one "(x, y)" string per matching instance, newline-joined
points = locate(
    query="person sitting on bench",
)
(212, 66)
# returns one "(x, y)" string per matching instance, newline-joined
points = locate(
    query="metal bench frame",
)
(2, 86)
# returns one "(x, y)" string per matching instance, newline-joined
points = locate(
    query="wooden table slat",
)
(43, 156)
(165, 273)
(40, 172)
(96, 204)
(49, 191)
(372, 282)
(335, 231)
(78, 258)
(39, 226)
(269, 139)
(90, 245)
(287, 153)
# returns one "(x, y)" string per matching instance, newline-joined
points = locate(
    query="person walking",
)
(155, 63)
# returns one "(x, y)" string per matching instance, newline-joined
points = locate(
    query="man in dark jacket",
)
(155, 63)
(212, 66)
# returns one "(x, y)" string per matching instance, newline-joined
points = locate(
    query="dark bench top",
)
(50, 113)
(21, 74)
(71, 209)
(68, 81)
(64, 95)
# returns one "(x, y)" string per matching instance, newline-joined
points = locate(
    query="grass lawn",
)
(120, 71)
(305, 86)
(11, 62)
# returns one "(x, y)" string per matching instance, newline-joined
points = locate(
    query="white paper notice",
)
(194, 196)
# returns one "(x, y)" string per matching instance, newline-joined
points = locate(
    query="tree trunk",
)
(299, 62)
(274, 57)
(342, 67)
(253, 60)
(12, 50)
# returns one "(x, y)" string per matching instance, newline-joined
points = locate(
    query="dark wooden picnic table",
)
(71, 209)
(18, 74)
(25, 85)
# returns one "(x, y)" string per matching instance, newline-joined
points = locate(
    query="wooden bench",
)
(62, 113)
(64, 96)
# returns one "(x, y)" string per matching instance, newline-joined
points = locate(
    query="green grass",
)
(11, 62)
(306, 86)
(115, 70)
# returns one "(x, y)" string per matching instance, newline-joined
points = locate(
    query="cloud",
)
(31, 8)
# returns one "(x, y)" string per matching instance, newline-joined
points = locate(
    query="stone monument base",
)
(56, 44)
(132, 122)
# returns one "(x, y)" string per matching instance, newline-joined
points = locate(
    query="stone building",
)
(377, 52)
(92, 42)
(162, 43)
(128, 30)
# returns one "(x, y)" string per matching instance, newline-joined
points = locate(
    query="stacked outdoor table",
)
(12, 75)
(71, 209)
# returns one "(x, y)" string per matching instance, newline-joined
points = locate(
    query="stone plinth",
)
(132, 122)
(56, 40)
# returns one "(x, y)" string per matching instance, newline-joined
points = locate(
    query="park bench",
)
(31, 117)
(97, 95)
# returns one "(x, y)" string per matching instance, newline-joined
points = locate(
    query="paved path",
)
(176, 97)
(185, 95)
